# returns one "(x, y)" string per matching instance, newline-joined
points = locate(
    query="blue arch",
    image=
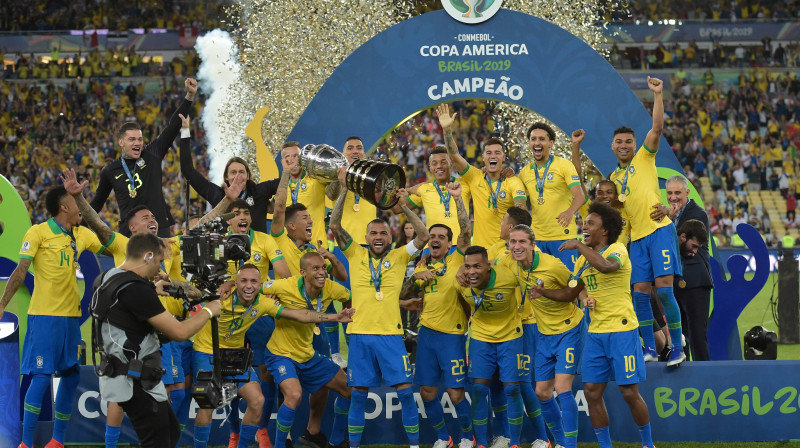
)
(564, 79)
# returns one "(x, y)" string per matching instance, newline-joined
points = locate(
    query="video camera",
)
(206, 251)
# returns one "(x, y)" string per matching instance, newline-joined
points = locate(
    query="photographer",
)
(128, 337)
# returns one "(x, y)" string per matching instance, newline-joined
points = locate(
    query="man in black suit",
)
(693, 291)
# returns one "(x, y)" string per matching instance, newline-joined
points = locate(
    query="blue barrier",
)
(700, 401)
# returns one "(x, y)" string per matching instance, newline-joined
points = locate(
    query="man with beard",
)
(239, 311)
(376, 341)
(612, 349)
(491, 194)
(551, 183)
(135, 178)
(694, 289)
(441, 347)
(654, 250)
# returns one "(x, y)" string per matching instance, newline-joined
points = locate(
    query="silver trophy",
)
(372, 180)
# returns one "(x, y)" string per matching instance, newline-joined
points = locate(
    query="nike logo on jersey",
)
(569, 367)
(117, 177)
(459, 380)
(630, 376)
(666, 268)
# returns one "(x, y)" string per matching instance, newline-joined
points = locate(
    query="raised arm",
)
(205, 188)
(577, 138)
(446, 121)
(160, 146)
(465, 232)
(231, 193)
(419, 227)
(14, 282)
(332, 190)
(92, 219)
(279, 211)
(343, 239)
(338, 270)
(654, 136)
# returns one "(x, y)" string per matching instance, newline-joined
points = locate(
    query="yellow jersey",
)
(488, 212)
(263, 250)
(551, 317)
(117, 246)
(54, 254)
(642, 192)
(234, 320)
(613, 311)
(557, 196)
(441, 307)
(311, 193)
(497, 318)
(355, 222)
(293, 339)
(431, 197)
(291, 253)
(497, 250)
(376, 315)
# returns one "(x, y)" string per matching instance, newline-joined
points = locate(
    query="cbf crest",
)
(499, 296)
(386, 264)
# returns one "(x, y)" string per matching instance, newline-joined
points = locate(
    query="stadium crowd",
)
(642, 11)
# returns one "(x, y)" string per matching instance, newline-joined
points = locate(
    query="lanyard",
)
(477, 299)
(625, 179)
(356, 198)
(445, 198)
(296, 189)
(586, 264)
(236, 323)
(73, 243)
(493, 196)
(524, 291)
(376, 274)
(128, 173)
(308, 301)
(540, 180)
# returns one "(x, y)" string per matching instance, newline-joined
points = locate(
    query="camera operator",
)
(128, 337)
(240, 310)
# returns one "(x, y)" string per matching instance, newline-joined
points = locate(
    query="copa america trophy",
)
(374, 181)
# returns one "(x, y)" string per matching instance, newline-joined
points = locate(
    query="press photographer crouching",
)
(127, 314)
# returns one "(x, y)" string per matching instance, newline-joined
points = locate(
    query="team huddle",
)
(515, 304)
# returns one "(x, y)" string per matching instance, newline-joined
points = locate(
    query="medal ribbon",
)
(540, 180)
(586, 264)
(438, 273)
(493, 196)
(524, 291)
(376, 274)
(477, 299)
(308, 301)
(132, 186)
(296, 189)
(73, 243)
(356, 198)
(445, 198)
(236, 323)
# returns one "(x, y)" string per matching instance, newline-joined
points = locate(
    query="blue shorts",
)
(170, 370)
(529, 332)
(312, 374)
(52, 344)
(185, 349)
(440, 354)
(374, 356)
(321, 343)
(202, 361)
(655, 255)
(487, 357)
(568, 257)
(257, 337)
(559, 353)
(613, 356)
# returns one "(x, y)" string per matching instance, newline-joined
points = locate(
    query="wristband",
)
(186, 133)
(210, 313)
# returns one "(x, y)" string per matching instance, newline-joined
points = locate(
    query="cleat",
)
(263, 438)
(338, 360)
(539, 443)
(514, 446)
(289, 443)
(317, 440)
(466, 443)
(233, 442)
(649, 354)
(500, 442)
(54, 444)
(345, 444)
(676, 357)
(443, 443)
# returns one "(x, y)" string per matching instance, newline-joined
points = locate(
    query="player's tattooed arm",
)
(341, 236)
(446, 121)
(75, 188)
(14, 282)
(521, 203)
(332, 190)
(409, 288)
(419, 227)
(465, 230)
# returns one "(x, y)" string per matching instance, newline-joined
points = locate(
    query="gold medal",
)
(622, 197)
(316, 330)
(447, 214)
(540, 200)
(378, 295)
(521, 308)
(132, 192)
(356, 207)
(573, 283)
(681, 283)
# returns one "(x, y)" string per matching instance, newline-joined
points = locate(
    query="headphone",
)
(148, 257)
